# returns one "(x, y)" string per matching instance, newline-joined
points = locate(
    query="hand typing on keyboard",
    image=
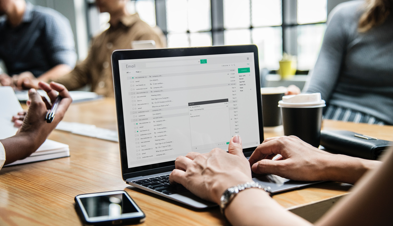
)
(161, 184)
(209, 175)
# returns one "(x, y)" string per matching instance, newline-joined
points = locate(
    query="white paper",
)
(88, 130)
(77, 96)
(74, 126)
(10, 106)
(107, 134)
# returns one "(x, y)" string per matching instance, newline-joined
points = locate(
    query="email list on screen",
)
(176, 105)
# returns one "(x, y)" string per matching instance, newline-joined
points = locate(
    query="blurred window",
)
(269, 42)
(309, 41)
(188, 23)
(311, 11)
(237, 14)
(275, 26)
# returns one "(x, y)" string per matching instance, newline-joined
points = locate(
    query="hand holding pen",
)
(58, 96)
(35, 125)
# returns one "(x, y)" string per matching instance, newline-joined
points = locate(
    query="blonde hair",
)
(376, 12)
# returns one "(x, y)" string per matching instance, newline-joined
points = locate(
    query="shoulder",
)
(344, 18)
(140, 22)
(347, 10)
(99, 38)
(142, 27)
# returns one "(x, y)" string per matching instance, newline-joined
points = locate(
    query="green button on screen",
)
(227, 142)
(243, 70)
(203, 61)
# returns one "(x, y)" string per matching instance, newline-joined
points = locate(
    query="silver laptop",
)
(173, 101)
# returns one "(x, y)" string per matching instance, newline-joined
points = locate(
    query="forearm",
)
(347, 169)
(75, 79)
(255, 207)
(369, 202)
(55, 72)
(19, 147)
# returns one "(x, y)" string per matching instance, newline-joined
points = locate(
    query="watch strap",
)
(231, 192)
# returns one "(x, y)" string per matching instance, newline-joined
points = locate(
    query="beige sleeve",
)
(77, 78)
(81, 74)
(2, 156)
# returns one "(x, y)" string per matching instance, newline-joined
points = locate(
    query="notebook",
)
(173, 101)
(48, 150)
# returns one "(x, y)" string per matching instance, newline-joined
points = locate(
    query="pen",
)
(51, 113)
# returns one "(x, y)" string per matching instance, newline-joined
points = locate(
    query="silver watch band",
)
(231, 192)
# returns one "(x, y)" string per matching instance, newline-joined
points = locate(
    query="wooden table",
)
(43, 193)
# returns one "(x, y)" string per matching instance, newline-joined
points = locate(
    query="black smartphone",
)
(112, 207)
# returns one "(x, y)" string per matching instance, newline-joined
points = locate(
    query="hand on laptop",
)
(295, 159)
(209, 175)
(298, 160)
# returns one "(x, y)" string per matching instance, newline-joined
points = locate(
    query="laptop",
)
(178, 100)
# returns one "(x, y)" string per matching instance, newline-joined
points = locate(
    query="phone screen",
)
(113, 205)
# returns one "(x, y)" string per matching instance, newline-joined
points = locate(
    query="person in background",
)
(354, 70)
(34, 129)
(35, 42)
(210, 175)
(96, 70)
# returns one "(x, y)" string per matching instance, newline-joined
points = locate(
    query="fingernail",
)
(236, 139)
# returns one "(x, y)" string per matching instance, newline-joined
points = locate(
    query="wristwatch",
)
(231, 192)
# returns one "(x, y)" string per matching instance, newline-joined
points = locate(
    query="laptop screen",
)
(176, 105)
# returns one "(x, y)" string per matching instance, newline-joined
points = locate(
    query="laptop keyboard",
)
(161, 184)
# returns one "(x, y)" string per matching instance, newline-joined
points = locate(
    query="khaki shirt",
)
(96, 69)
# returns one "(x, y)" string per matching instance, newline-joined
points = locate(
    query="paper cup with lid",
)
(302, 116)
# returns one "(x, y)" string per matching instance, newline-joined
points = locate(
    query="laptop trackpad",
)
(191, 199)
(279, 184)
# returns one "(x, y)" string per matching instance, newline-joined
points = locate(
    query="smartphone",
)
(112, 207)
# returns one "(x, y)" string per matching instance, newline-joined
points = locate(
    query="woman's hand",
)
(34, 124)
(35, 129)
(291, 158)
(209, 175)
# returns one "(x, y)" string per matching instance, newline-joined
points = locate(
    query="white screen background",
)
(175, 105)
